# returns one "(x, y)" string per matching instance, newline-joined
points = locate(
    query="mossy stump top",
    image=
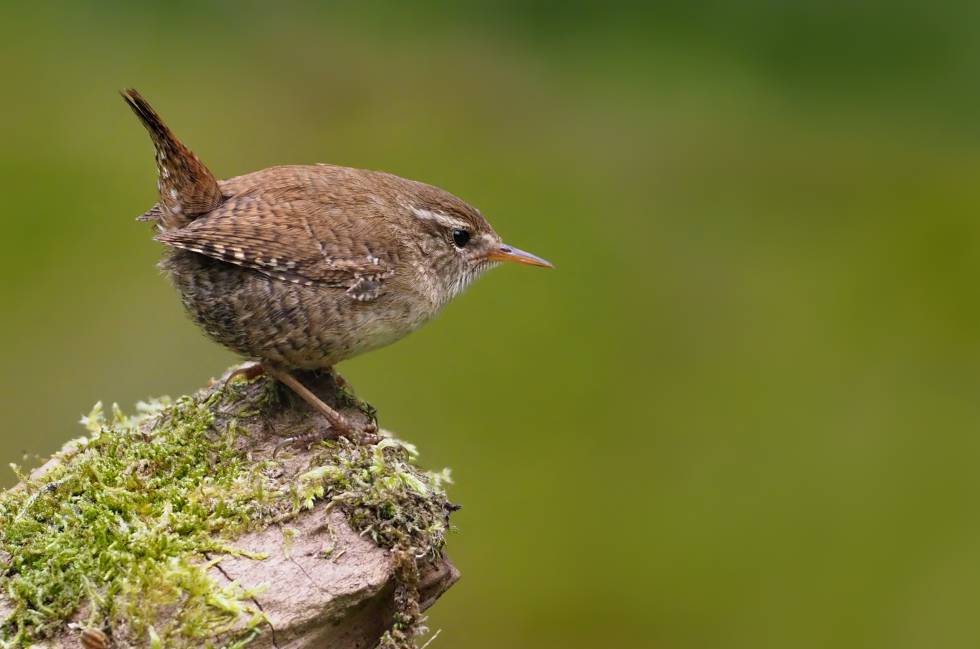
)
(179, 527)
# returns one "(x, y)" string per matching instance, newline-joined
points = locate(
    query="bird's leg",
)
(339, 425)
(338, 422)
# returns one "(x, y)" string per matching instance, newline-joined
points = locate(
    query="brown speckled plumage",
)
(289, 270)
(301, 267)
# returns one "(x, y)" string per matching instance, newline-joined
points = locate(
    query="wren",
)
(300, 267)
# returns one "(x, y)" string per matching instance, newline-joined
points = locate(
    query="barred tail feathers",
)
(187, 187)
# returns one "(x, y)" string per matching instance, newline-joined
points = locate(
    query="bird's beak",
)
(510, 253)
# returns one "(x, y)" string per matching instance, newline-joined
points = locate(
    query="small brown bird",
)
(301, 267)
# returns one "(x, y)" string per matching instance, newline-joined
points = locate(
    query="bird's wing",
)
(282, 240)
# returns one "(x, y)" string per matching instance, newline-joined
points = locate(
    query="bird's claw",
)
(249, 372)
(367, 436)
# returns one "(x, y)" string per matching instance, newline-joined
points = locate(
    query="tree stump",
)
(185, 526)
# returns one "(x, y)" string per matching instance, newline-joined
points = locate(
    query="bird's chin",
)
(483, 266)
(464, 279)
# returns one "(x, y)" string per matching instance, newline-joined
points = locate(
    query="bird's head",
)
(455, 241)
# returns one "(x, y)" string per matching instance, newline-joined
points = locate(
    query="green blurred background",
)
(743, 410)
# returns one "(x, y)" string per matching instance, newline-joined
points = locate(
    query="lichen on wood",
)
(177, 526)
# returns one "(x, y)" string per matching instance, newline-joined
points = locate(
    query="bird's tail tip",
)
(187, 187)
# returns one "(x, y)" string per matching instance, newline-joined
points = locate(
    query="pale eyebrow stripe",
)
(441, 219)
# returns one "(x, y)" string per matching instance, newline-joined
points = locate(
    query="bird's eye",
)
(461, 238)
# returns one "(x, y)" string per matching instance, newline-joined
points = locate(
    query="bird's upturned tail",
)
(187, 187)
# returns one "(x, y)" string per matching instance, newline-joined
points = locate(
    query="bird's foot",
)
(340, 426)
(307, 438)
(312, 437)
(249, 372)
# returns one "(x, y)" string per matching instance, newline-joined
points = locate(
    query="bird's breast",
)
(377, 324)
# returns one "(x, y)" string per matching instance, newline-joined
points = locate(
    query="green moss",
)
(122, 524)
(120, 533)
(384, 495)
